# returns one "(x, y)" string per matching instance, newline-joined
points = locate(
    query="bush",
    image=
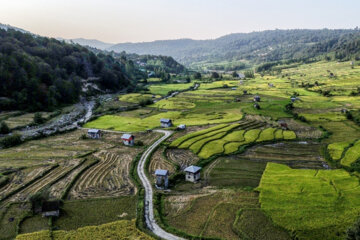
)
(4, 129)
(139, 143)
(38, 118)
(353, 233)
(11, 141)
(84, 137)
(145, 102)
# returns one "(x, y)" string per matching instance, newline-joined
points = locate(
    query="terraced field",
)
(159, 161)
(307, 201)
(219, 214)
(245, 169)
(229, 138)
(109, 177)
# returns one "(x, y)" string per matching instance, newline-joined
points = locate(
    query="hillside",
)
(255, 47)
(41, 73)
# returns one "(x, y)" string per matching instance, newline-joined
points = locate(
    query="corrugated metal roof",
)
(192, 169)
(93, 131)
(126, 136)
(161, 172)
(165, 120)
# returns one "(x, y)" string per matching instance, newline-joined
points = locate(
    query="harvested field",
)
(182, 157)
(108, 178)
(158, 161)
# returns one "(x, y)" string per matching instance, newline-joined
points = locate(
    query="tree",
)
(4, 129)
(249, 74)
(197, 75)
(235, 74)
(38, 118)
(215, 75)
(188, 80)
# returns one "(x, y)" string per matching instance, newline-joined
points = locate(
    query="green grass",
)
(182, 139)
(163, 89)
(289, 135)
(212, 148)
(16, 212)
(136, 97)
(251, 135)
(173, 103)
(34, 224)
(266, 135)
(310, 200)
(196, 147)
(82, 213)
(279, 134)
(235, 136)
(336, 149)
(351, 155)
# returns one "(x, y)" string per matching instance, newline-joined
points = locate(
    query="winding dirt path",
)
(149, 208)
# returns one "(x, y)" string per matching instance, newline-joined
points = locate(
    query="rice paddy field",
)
(289, 167)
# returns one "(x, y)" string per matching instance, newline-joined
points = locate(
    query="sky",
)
(117, 21)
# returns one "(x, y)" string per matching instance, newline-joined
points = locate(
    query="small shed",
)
(162, 178)
(257, 98)
(50, 209)
(181, 127)
(128, 139)
(94, 133)
(165, 122)
(233, 88)
(192, 173)
(283, 125)
(245, 92)
(293, 99)
(344, 110)
(256, 106)
(270, 84)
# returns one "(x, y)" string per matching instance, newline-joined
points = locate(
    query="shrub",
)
(145, 102)
(11, 141)
(4, 129)
(38, 118)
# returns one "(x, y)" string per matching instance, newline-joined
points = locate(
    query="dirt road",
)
(149, 208)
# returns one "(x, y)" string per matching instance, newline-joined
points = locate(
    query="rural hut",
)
(165, 122)
(283, 125)
(50, 209)
(128, 139)
(162, 178)
(94, 133)
(192, 173)
(181, 127)
(257, 98)
(293, 99)
(245, 92)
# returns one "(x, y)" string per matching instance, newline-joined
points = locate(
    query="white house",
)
(94, 133)
(165, 122)
(162, 178)
(181, 127)
(192, 173)
(128, 139)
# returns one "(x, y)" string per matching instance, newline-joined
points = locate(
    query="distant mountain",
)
(91, 43)
(255, 47)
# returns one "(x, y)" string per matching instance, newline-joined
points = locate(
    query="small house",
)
(233, 88)
(128, 139)
(293, 99)
(256, 106)
(245, 92)
(241, 75)
(165, 122)
(50, 209)
(237, 99)
(192, 173)
(181, 127)
(344, 110)
(162, 178)
(270, 84)
(94, 133)
(257, 98)
(283, 125)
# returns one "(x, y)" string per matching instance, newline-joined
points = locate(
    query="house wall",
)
(191, 177)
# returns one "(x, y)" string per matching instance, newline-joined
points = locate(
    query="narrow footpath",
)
(149, 207)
